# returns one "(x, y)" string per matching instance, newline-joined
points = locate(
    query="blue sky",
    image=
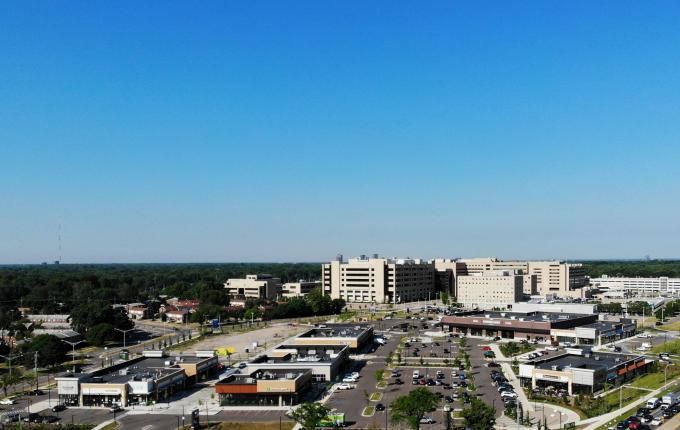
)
(291, 131)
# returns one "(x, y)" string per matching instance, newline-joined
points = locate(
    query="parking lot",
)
(432, 350)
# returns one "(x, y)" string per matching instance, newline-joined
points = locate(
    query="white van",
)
(653, 403)
(416, 374)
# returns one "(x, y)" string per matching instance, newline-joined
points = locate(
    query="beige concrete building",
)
(491, 289)
(552, 277)
(300, 288)
(378, 280)
(254, 287)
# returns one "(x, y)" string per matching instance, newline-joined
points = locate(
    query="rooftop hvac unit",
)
(597, 358)
(554, 367)
(123, 372)
(503, 314)
(250, 380)
(290, 375)
(513, 317)
(168, 362)
(487, 315)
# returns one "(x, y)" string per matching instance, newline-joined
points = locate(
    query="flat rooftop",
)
(140, 369)
(593, 362)
(522, 316)
(290, 358)
(336, 330)
(267, 375)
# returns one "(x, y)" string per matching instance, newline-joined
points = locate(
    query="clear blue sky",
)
(290, 131)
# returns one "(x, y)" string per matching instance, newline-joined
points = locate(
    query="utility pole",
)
(35, 368)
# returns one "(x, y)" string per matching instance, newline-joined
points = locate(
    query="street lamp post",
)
(9, 360)
(124, 334)
(73, 355)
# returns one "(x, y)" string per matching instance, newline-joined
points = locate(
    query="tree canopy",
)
(51, 351)
(412, 407)
(478, 415)
(309, 415)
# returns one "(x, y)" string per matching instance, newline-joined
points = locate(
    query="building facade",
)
(139, 381)
(299, 289)
(586, 373)
(532, 326)
(264, 387)
(638, 287)
(254, 287)
(552, 277)
(490, 289)
(378, 280)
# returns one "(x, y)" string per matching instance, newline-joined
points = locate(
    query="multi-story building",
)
(300, 288)
(552, 277)
(254, 287)
(491, 289)
(446, 272)
(378, 280)
(638, 287)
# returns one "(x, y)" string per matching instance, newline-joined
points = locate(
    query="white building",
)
(300, 288)
(634, 287)
(254, 287)
(491, 289)
(378, 280)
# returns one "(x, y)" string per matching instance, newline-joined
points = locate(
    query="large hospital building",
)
(378, 280)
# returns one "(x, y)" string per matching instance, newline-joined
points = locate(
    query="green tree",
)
(7, 381)
(478, 415)
(51, 351)
(445, 298)
(309, 415)
(99, 334)
(412, 407)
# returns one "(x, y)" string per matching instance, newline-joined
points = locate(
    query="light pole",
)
(73, 356)
(9, 359)
(124, 334)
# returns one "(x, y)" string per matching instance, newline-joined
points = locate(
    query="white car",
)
(657, 421)
(509, 394)
(426, 420)
(551, 348)
(345, 386)
(348, 379)
(7, 402)
(645, 335)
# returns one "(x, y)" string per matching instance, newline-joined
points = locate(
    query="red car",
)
(486, 348)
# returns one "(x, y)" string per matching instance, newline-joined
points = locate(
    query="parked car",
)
(510, 394)
(50, 419)
(59, 407)
(115, 408)
(551, 348)
(7, 402)
(36, 392)
(379, 407)
(345, 386)
(426, 420)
